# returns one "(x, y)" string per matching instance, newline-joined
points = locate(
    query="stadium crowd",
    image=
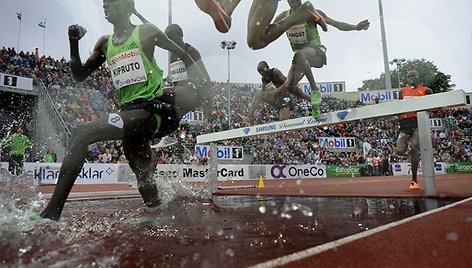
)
(79, 102)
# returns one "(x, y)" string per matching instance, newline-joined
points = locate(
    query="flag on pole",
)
(42, 24)
(18, 15)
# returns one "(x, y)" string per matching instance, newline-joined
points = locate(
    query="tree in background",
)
(430, 77)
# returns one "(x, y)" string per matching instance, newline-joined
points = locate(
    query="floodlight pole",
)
(228, 45)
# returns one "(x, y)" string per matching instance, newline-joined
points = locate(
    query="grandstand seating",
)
(84, 101)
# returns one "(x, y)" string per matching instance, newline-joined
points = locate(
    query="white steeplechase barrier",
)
(423, 104)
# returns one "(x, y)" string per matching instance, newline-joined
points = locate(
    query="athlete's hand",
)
(76, 32)
(363, 25)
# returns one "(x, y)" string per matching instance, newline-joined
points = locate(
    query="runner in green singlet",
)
(138, 81)
(309, 52)
(261, 31)
(184, 76)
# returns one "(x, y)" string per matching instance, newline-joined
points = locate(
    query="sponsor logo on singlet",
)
(270, 85)
(178, 71)
(127, 68)
(297, 34)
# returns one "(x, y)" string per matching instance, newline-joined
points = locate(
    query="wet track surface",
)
(230, 231)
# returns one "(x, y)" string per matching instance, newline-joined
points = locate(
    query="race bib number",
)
(297, 34)
(178, 71)
(270, 86)
(127, 68)
(115, 120)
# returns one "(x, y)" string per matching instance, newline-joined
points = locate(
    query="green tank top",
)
(302, 35)
(134, 75)
(19, 143)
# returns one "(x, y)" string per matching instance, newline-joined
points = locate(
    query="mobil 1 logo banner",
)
(342, 144)
(326, 87)
(195, 117)
(237, 153)
(295, 171)
(378, 96)
(222, 152)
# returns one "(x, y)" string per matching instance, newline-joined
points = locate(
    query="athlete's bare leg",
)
(298, 92)
(260, 30)
(305, 59)
(134, 123)
(220, 12)
(184, 97)
(139, 154)
(258, 98)
(414, 155)
(295, 74)
(402, 144)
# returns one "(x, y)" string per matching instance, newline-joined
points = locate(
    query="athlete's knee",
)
(400, 149)
(415, 144)
(299, 54)
(299, 57)
(79, 136)
(256, 42)
(414, 148)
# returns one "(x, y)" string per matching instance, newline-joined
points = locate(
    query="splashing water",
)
(171, 188)
(18, 200)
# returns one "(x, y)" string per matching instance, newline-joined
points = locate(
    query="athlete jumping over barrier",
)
(139, 85)
(260, 31)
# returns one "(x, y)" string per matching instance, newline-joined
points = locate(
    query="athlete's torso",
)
(134, 76)
(302, 34)
(272, 80)
(408, 92)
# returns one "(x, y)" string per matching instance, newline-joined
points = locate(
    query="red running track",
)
(438, 238)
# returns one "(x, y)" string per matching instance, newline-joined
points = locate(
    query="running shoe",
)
(215, 10)
(36, 217)
(414, 186)
(315, 100)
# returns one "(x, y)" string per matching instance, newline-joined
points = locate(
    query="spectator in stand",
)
(49, 156)
(106, 156)
(18, 144)
(90, 99)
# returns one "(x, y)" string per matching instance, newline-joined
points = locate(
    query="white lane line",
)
(333, 244)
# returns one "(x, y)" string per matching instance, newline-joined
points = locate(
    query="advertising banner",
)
(368, 97)
(48, 173)
(325, 87)
(295, 171)
(344, 144)
(402, 169)
(191, 117)
(459, 167)
(199, 173)
(342, 171)
(223, 152)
